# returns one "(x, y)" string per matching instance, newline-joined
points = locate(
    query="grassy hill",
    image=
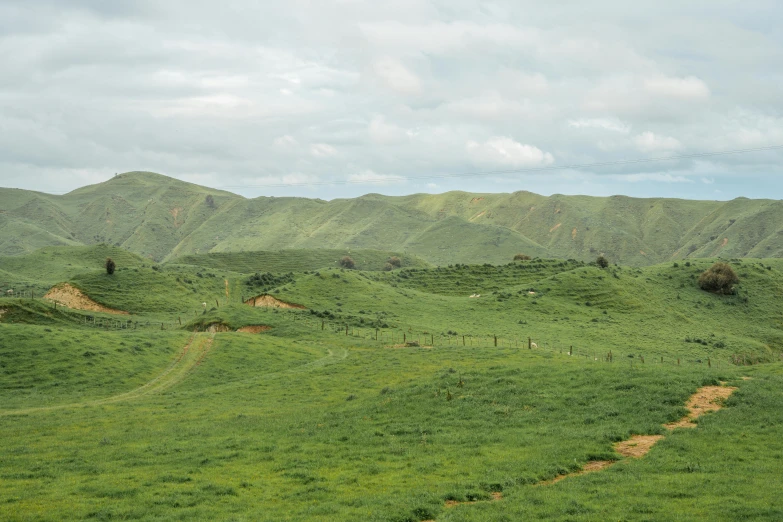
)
(161, 219)
(325, 415)
(295, 260)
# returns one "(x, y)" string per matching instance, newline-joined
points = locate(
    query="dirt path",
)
(706, 399)
(191, 355)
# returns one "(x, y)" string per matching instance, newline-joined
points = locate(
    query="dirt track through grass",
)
(191, 355)
(706, 399)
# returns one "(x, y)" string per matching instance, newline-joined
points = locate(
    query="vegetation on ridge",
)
(160, 219)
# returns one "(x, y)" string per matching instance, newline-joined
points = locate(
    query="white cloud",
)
(322, 150)
(609, 124)
(654, 176)
(285, 142)
(396, 76)
(492, 105)
(502, 150)
(276, 90)
(525, 83)
(383, 133)
(369, 176)
(688, 88)
(441, 37)
(292, 178)
(651, 142)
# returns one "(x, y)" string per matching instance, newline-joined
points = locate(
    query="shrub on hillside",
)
(210, 201)
(602, 262)
(394, 261)
(347, 262)
(110, 266)
(388, 267)
(719, 278)
(521, 257)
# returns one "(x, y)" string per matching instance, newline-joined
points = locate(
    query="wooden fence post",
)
(463, 340)
(529, 343)
(496, 341)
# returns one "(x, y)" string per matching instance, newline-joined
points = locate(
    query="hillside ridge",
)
(161, 218)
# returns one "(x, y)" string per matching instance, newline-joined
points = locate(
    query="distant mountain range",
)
(162, 218)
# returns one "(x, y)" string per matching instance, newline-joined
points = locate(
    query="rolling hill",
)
(162, 219)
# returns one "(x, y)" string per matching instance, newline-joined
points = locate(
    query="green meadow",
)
(170, 413)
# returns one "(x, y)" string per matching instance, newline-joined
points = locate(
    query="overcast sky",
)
(245, 94)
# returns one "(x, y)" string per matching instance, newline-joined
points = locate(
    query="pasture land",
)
(325, 414)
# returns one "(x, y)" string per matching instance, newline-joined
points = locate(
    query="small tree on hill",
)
(602, 262)
(388, 267)
(521, 257)
(110, 266)
(394, 261)
(719, 278)
(347, 262)
(210, 201)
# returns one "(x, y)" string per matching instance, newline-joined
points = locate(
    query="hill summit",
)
(161, 218)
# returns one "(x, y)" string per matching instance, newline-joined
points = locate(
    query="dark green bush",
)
(719, 279)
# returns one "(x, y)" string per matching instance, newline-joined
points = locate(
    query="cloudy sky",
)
(338, 98)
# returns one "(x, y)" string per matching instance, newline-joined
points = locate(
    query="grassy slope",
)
(161, 218)
(307, 424)
(294, 260)
(51, 265)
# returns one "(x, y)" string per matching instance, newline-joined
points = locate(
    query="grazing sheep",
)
(533, 345)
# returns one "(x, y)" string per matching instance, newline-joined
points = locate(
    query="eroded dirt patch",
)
(590, 467)
(255, 329)
(266, 300)
(72, 297)
(637, 446)
(705, 400)
(555, 227)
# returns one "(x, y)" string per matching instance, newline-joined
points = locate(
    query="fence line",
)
(399, 337)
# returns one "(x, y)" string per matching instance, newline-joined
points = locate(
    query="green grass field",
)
(324, 416)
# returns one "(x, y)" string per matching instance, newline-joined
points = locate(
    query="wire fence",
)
(399, 337)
